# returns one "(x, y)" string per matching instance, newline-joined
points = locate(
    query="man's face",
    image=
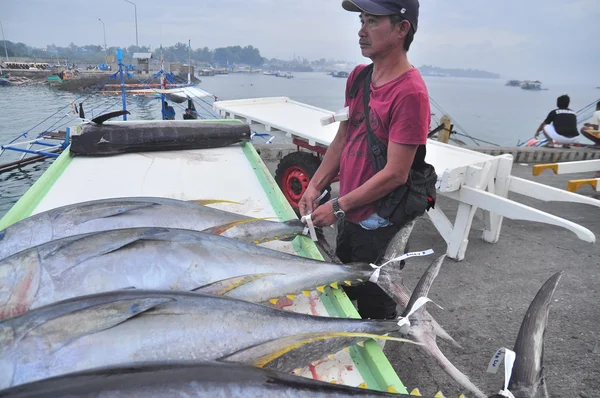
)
(378, 36)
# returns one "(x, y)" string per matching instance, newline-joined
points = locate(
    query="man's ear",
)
(403, 28)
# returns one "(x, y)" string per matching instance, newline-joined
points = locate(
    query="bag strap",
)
(358, 80)
(378, 149)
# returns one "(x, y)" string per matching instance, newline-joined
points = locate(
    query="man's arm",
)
(394, 174)
(539, 130)
(327, 171)
(549, 119)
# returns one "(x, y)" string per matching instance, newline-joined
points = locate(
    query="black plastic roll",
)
(116, 138)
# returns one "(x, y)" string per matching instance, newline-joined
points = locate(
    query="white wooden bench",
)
(573, 167)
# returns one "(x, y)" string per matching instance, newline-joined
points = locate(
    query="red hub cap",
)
(295, 182)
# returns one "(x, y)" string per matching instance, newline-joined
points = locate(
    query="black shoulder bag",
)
(418, 195)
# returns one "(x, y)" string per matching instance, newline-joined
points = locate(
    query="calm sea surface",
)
(485, 109)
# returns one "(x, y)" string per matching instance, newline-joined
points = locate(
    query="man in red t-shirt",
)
(400, 117)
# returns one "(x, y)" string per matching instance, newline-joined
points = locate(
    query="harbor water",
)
(485, 109)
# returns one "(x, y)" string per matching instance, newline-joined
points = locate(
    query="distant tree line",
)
(429, 70)
(248, 55)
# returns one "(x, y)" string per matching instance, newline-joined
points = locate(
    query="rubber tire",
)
(289, 168)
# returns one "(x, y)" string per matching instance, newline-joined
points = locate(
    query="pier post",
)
(444, 135)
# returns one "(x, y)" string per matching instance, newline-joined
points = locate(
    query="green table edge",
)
(370, 360)
(34, 195)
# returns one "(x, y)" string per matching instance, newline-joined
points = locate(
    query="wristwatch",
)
(339, 213)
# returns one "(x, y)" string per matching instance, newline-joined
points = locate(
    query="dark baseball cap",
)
(407, 9)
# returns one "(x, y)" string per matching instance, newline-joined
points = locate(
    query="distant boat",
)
(513, 83)
(532, 85)
(270, 73)
(340, 74)
(287, 75)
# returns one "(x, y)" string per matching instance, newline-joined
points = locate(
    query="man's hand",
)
(307, 204)
(324, 216)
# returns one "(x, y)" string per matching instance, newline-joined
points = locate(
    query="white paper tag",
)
(496, 361)
(421, 301)
(339, 116)
(310, 226)
(509, 357)
(375, 276)
(322, 196)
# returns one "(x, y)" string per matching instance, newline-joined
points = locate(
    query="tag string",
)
(421, 301)
(375, 276)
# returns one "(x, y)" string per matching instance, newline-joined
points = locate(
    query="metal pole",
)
(4, 40)
(104, 30)
(189, 62)
(122, 78)
(136, 30)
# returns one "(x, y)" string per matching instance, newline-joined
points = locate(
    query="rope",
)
(465, 134)
(54, 114)
(590, 105)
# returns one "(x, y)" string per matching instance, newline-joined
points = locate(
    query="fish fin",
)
(325, 248)
(222, 228)
(416, 393)
(431, 348)
(107, 313)
(206, 202)
(529, 347)
(397, 245)
(401, 295)
(107, 116)
(94, 211)
(442, 334)
(263, 354)
(439, 394)
(74, 250)
(391, 389)
(424, 284)
(224, 286)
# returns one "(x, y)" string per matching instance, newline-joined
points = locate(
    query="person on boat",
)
(168, 111)
(188, 114)
(591, 130)
(400, 117)
(560, 126)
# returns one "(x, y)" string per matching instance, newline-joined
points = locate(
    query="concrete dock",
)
(527, 155)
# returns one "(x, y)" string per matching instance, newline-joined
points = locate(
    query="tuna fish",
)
(135, 326)
(157, 258)
(118, 213)
(186, 379)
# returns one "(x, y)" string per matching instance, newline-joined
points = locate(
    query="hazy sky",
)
(550, 40)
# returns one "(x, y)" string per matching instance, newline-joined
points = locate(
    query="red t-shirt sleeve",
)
(410, 120)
